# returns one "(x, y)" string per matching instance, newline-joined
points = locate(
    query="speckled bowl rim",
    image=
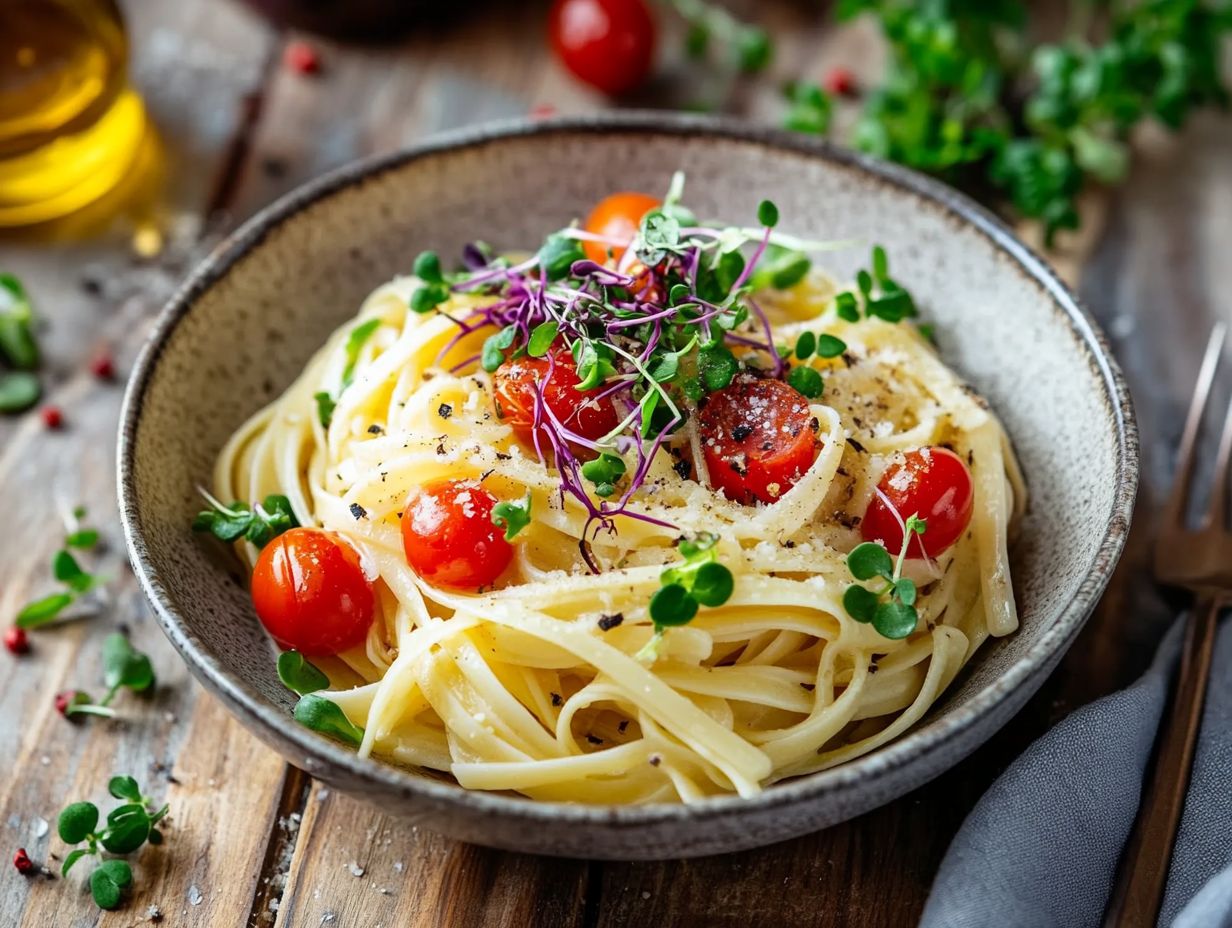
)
(323, 756)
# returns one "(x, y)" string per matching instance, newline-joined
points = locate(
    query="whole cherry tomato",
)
(311, 592)
(931, 483)
(616, 217)
(609, 44)
(449, 537)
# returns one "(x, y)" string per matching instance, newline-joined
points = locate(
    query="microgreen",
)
(66, 569)
(298, 675)
(124, 667)
(809, 108)
(260, 524)
(512, 516)
(673, 319)
(127, 828)
(891, 608)
(699, 581)
(709, 24)
(806, 381)
(18, 347)
(19, 390)
(320, 714)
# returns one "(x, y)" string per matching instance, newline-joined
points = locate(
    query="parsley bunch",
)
(68, 571)
(312, 711)
(260, 525)
(891, 607)
(965, 99)
(127, 828)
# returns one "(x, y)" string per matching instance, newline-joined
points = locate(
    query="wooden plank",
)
(195, 63)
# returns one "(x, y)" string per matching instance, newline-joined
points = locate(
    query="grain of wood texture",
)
(354, 865)
(194, 93)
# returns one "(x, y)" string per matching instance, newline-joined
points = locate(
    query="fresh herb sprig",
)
(66, 569)
(699, 581)
(19, 388)
(312, 711)
(512, 516)
(891, 607)
(260, 525)
(127, 828)
(964, 98)
(124, 667)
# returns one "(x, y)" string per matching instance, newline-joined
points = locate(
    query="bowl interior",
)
(245, 325)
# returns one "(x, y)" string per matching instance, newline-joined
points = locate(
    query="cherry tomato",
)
(449, 537)
(311, 593)
(758, 437)
(932, 483)
(618, 217)
(609, 44)
(515, 385)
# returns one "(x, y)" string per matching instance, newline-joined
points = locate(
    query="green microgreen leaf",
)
(768, 214)
(427, 267)
(672, 605)
(298, 675)
(806, 344)
(512, 516)
(606, 468)
(895, 619)
(72, 858)
(846, 307)
(557, 255)
(810, 109)
(870, 560)
(83, 539)
(109, 881)
(860, 603)
(828, 346)
(354, 344)
(44, 610)
(806, 381)
(713, 584)
(19, 390)
(128, 826)
(541, 338)
(716, 367)
(124, 787)
(322, 715)
(259, 525)
(77, 822)
(125, 666)
(905, 590)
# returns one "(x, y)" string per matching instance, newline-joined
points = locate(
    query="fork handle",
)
(1143, 872)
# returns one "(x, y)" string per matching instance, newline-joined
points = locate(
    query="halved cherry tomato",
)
(609, 44)
(311, 593)
(449, 537)
(617, 217)
(758, 438)
(515, 385)
(932, 483)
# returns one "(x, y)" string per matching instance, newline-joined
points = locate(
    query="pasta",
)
(554, 681)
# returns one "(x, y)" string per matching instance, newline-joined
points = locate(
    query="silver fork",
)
(1198, 560)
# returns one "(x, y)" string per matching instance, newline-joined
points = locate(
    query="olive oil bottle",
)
(70, 124)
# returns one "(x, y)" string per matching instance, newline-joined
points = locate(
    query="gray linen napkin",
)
(1041, 846)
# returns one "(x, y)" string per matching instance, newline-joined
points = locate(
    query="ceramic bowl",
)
(246, 321)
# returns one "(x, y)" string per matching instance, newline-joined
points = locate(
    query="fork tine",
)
(1174, 510)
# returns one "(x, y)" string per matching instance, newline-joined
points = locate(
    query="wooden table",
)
(251, 840)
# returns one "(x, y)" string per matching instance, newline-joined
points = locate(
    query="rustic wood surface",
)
(252, 841)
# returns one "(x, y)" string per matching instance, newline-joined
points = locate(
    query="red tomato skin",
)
(311, 592)
(932, 483)
(514, 386)
(617, 216)
(449, 538)
(758, 438)
(608, 44)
